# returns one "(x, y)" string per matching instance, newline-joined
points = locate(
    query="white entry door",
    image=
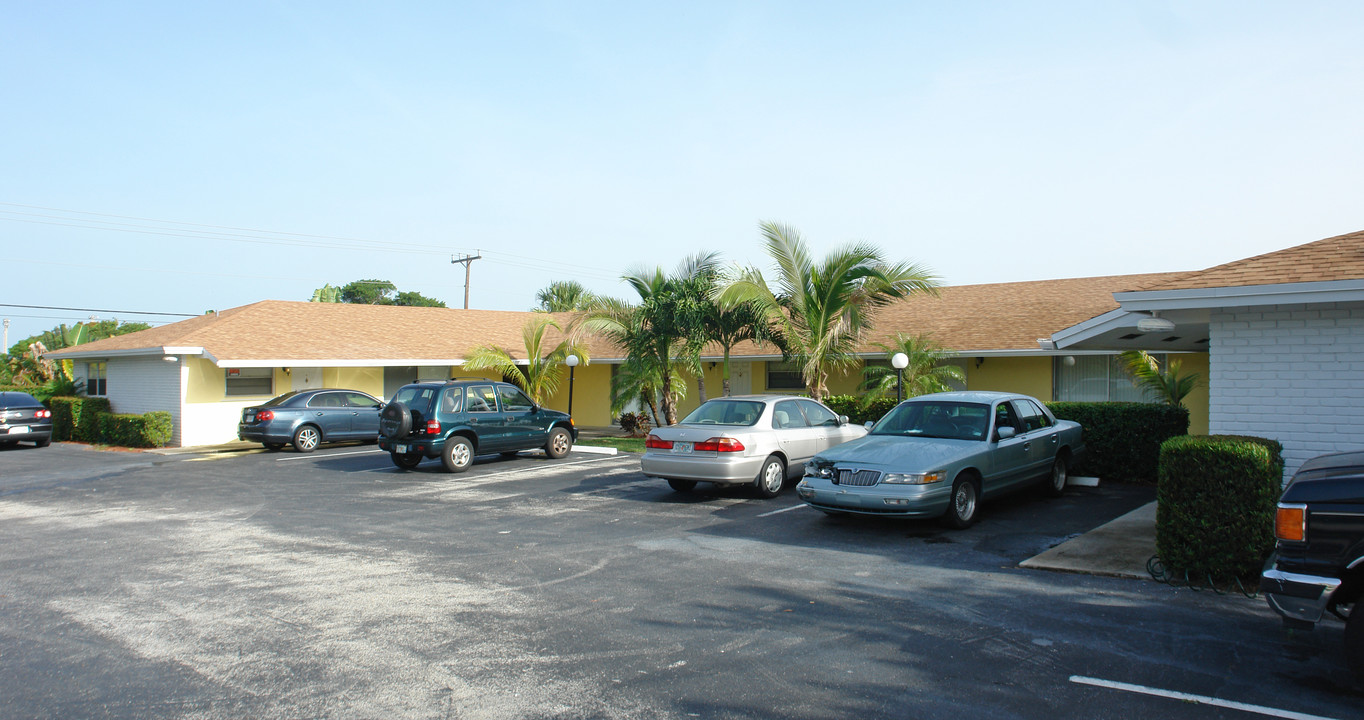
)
(306, 378)
(740, 377)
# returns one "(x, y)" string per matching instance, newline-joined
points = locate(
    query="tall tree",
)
(822, 308)
(660, 334)
(539, 374)
(563, 296)
(383, 292)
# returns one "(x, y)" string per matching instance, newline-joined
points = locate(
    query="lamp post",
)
(899, 361)
(572, 362)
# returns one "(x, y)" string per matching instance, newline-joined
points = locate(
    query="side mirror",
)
(1006, 432)
(842, 420)
(868, 425)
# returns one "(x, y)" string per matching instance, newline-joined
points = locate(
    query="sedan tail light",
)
(42, 414)
(1290, 522)
(264, 415)
(658, 443)
(720, 444)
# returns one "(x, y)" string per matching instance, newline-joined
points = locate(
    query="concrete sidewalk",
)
(1119, 548)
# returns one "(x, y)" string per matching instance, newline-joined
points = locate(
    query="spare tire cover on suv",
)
(395, 421)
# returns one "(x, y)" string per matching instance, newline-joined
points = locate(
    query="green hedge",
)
(851, 405)
(1215, 506)
(90, 419)
(77, 418)
(152, 429)
(1122, 440)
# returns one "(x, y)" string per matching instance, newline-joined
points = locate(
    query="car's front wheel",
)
(962, 507)
(406, 461)
(559, 443)
(458, 454)
(770, 477)
(307, 438)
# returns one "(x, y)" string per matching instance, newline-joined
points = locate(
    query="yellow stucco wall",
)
(366, 380)
(1027, 375)
(1197, 401)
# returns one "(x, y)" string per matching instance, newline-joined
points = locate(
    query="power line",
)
(96, 310)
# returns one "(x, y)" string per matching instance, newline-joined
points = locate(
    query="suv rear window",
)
(419, 398)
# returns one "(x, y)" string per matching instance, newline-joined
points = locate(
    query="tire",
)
(395, 421)
(458, 454)
(964, 504)
(273, 447)
(1354, 642)
(682, 486)
(559, 443)
(43, 443)
(1055, 484)
(771, 476)
(307, 438)
(406, 462)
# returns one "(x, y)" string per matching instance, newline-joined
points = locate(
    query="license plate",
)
(18, 429)
(400, 449)
(682, 447)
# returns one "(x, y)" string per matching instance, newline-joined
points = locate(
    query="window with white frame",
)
(1096, 378)
(96, 383)
(250, 381)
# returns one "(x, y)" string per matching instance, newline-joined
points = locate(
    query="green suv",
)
(459, 419)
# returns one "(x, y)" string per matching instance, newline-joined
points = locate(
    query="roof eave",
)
(1242, 296)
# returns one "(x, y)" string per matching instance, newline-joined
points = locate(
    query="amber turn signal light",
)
(1290, 522)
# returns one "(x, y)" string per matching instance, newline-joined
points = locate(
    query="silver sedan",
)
(758, 440)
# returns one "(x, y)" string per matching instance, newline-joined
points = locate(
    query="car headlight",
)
(821, 470)
(927, 478)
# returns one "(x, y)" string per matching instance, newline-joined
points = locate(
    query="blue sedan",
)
(308, 418)
(939, 455)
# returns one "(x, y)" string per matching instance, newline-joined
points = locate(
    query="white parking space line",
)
(778, 512)
(1196, 699)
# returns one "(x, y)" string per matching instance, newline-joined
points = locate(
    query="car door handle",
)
(319, 413)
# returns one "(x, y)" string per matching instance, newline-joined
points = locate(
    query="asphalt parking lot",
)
(280, 585)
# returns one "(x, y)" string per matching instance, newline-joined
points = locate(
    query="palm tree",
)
(563, 296)
(822, 308)
(663, 334)
(1168, 386)
(539, 374)
(924, 374)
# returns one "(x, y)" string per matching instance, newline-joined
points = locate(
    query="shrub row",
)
(852, 406)
(1122, 440)
(1215, 507)
(90, 419)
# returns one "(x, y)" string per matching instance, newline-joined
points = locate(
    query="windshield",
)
(949, 420)
(726, 412)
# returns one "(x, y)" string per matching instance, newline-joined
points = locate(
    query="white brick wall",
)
(1294, 373)
(139, 385)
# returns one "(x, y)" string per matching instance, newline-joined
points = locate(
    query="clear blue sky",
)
(179, 157)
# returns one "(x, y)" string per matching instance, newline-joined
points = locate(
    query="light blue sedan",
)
(939, 455)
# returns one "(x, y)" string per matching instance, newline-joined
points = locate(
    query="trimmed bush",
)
(1123, 440)
(851, 405)
(1215, 507)
(151, 429)
(75, 418)
(634, 424)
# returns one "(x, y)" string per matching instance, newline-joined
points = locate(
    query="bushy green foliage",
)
(1122, 440)
(151, 429)
(75, 418)
(1215, 506)
(858, 409)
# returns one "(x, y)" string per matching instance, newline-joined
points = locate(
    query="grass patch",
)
(623, 444)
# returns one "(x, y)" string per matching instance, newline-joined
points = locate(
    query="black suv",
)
(1318, 561)
(459, 419)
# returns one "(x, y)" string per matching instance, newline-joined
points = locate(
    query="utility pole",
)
(467, 260)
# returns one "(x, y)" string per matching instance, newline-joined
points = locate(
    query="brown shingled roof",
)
(1335, 258)
(1004, 316)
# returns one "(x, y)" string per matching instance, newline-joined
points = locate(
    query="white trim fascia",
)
(133, 352)
(366, 362)
(1250, 295)
(1094, 327)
